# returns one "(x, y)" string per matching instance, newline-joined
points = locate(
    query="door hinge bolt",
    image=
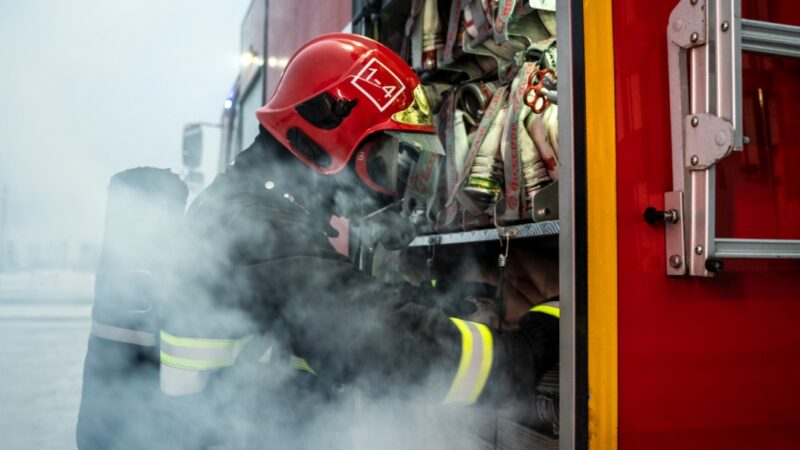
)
(675, 261)
(694, 37)
(699, 249)
(714, 265)
(695, 160)
(695, 121)
(725, 26)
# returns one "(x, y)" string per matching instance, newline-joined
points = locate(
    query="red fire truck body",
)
(271, 32)
(705, 362)
(660, 348)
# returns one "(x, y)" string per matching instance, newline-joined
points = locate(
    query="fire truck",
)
(675, 215)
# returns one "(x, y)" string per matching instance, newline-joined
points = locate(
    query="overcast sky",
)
(92, 87)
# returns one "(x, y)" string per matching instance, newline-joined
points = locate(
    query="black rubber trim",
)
(581, 291)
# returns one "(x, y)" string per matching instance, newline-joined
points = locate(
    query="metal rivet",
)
(677, 25)
(695, 121)
(722, 137)
(699, 249)
(694, 2)
(543, 211)
(694, 37)
(269, 185)
(695, 160)
(675, 261)
(725, 26)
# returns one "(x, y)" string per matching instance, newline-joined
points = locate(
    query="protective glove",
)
(522, 357)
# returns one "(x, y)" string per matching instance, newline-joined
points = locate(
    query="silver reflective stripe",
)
(187, 363)
(266, 358)
(124, 335)
(475, 364)
(198, 353)
(177, 382)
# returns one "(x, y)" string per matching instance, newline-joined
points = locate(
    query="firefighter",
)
(261, 286)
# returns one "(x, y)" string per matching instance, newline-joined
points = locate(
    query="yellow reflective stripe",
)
(301, 364)
(547, 309)
(475, 364)
(194, 364)
(200, 354)
(466, 356)
(197, 343)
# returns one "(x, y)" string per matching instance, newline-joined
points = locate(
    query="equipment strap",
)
(515, 143)
(448, 123)
(478, 26)
(453, 25)
(475, 364)
(501, 22)
(489, 116)
(416, 8)
(422, 184)
(123, 335)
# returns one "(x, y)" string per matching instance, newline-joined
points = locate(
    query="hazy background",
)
(87, 88)
(92, 87)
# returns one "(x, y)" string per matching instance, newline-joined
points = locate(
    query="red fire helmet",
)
(339, 88)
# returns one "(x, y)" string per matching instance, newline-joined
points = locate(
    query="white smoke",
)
(226, 278)
(109, 107)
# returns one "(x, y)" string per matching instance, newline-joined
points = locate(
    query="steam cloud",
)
(233, 276)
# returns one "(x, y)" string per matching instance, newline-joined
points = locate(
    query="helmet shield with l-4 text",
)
(336, 90)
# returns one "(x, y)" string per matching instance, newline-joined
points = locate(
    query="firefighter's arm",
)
(349, 326)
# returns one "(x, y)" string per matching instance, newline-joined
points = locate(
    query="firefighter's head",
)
(343, 95)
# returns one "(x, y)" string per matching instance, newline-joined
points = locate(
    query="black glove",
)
(522, 357)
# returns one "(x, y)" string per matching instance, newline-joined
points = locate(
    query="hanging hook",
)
(432, 243)
(502, 261)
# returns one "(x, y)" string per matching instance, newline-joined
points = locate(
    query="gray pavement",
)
(44, 335)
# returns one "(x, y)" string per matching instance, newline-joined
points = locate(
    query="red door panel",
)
(290, 23)
(706, 363)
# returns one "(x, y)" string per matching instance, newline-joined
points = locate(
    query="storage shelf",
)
(527, 230)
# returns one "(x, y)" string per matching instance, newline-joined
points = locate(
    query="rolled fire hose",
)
(425, 53)
(492, 111)
(473, 98)
(543, 129)
(486, 173)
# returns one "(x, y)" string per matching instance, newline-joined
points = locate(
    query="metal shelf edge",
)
(527, 230)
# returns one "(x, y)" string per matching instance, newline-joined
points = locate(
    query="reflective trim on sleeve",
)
(549, 308)
(475, 364)
(299, 363)
(200, 354)
(124, 335)
(266, 357)
(177, 382)
(186, 363)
